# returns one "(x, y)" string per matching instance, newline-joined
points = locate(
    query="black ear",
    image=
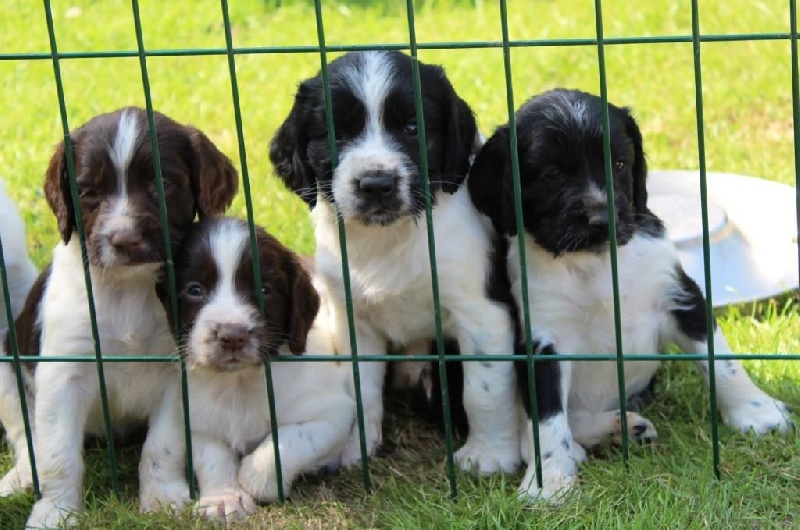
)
(57, 191)
(303, 304)
(639, 164)
(490, 183)
(288, 147)
(459, 132)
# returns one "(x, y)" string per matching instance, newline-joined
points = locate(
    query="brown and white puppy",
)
(119, 208)
(225, 339)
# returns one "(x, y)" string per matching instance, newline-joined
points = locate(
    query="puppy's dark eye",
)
(89, 194)
(620, 165)
(195, 290)
(552, 173)
(266, 290)
(410, 128)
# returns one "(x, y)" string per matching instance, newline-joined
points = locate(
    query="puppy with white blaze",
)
(564, 213)
(225, 340)
(118, 202)
(21, 273)
(377, 187)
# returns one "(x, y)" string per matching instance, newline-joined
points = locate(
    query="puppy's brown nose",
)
(232, 337)
(126, 239)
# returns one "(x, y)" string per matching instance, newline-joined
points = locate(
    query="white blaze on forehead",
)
(371, 79)
(123, 146)
(227, 242)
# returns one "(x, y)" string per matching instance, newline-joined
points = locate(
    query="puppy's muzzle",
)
(232, 338)
(596, 213)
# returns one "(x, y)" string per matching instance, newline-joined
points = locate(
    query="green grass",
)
(748, 112)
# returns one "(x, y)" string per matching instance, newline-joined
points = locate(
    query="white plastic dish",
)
(752, 232)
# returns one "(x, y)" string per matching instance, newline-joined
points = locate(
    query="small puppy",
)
(224, 340)
(562, 175)
(126, 253)
(377, 187)
(21, 274)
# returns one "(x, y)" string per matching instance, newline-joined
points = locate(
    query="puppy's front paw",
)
(640, 429)
(229, 505)
(164, 496)
(487, 458)
(559, 475)
(258, 478)
(49, 513)
(17, 480)
(373, 432)
(759, 413)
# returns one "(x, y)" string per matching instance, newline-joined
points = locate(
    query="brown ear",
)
(57, 192)
(214, 179)
(304, 304)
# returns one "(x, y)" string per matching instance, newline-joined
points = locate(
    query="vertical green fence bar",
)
(526, 310)
(795, 116)
(14, 345)
(162, 207)
(437, 310)
(612, 228)
(326, 85)
(253, 241)
(73, 186)
(701, 153)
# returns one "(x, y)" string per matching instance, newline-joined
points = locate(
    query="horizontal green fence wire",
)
(506, 45)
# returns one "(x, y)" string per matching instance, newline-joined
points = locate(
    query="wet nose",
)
(232, 337)
(377, 185)
(126, 239)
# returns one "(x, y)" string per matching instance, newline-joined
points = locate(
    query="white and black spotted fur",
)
(377, 187)
(225, 340)
(560, 139)
(118, 205)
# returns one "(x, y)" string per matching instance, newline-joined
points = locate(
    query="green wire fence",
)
(413, 47)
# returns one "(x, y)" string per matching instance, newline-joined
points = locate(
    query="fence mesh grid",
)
(413, 47)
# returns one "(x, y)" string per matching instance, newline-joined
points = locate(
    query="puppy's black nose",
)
(126, 239)
(232, 337)
(597, 213)
(377, 184)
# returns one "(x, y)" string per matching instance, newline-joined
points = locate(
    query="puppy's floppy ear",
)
(303, 304)
(459, 132)
(57, 191)
(490, 183)
(214, 178)
(287, 150)
(639, 164)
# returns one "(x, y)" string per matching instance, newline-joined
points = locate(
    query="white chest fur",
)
(572, 307)
(130, 321)
(390, 270)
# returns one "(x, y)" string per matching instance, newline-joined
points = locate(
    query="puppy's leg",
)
(372, 377)
(19, 477)
(591, 430)
(221, 496)
(741, 403)
(489, 393)
(559, 451)
(162, 467)
(304, 447)
(64, 394)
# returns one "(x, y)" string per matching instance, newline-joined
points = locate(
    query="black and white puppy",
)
(126, 252)
(225, 339)
(377, 187)
(570, 288)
